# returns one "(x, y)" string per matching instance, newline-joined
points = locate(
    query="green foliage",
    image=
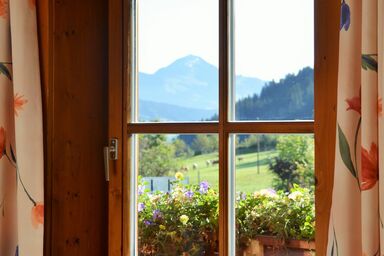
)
(266, 212)
(289, 99)
(295, 162)
(253, 141)
(203, 144)
(156, 156)
(181, 148)
(185, 221)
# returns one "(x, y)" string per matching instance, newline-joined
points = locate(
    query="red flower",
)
(3, 8)
(19, 102)
(2, 142)
(354, 104)
(37, 215)
(369, 167)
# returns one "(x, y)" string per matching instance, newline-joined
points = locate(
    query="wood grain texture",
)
(44, 19)
(223, 136)
(78, 92)
(326, 68)
(115, 125)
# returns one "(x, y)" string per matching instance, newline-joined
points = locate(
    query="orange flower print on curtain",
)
(356, 226)
(19, 101)
(37, 214)
(3, 8)
(354, 104)
(21, 132)
(369, 167)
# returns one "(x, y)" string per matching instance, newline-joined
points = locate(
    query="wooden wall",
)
(74, 59)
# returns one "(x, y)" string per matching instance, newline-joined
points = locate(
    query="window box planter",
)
(273, 246)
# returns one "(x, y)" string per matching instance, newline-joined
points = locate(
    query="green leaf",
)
(4, 70)
(368, 62)
(345, 152)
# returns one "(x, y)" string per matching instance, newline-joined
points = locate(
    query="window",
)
(220, 119)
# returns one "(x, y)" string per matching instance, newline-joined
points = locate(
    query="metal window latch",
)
(110, 153)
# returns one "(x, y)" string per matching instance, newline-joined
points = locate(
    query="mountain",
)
(150, 110)
(189, 82)
(292, 98)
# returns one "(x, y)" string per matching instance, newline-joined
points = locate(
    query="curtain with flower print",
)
(21, 136)
(356, 226)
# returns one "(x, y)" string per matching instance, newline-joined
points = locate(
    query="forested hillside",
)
(289, 99)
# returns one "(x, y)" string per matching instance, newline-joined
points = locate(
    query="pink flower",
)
(369, 167)
(19, 102)
(37, 215)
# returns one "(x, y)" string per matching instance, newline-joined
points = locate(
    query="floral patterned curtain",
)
(21, 133)
(356, 226)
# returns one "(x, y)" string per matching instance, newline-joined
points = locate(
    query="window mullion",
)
(223, 134)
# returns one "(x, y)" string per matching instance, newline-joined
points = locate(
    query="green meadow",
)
(252, 170)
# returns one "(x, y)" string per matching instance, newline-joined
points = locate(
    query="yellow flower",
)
(162, 227)
(179, 176)
(184, 219)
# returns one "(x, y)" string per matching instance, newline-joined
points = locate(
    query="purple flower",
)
(204, 186)
(156, 215)
(140, 189)
(243, 196)
(147, 222)
(189, 194)
(140, 207)
(345, 17)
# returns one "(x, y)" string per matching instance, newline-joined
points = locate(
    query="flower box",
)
(273, 246)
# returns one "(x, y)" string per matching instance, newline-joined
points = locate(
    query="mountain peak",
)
(190, 60)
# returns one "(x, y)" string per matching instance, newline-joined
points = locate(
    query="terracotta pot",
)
(273, 246)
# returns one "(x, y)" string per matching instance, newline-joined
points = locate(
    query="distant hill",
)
(291, 98)
(187, 90)
(150, 111)
(189, 82)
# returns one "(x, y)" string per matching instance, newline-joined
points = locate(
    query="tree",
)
(295, 162)
(156, 156)
(181, 148)
(203, 144)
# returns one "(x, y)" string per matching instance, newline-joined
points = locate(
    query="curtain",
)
(356, 226)
(21, 133)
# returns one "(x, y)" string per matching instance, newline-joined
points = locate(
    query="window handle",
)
(110, 153)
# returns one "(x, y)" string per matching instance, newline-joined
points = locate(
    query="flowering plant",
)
(284, 215)
(185, 220)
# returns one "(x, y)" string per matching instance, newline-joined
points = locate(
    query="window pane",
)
(274, 193)
(177, 60)
(178, 194)
(274, 56)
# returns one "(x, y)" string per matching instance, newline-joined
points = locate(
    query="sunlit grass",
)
(249, 177)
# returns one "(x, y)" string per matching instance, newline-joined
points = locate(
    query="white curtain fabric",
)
(356, 227)
(21, 132)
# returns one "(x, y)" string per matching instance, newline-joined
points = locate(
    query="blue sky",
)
(272, 37)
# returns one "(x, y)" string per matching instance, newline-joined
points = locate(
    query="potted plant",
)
(276, 223)
(185, 221)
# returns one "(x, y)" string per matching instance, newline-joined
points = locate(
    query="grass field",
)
(249, 177)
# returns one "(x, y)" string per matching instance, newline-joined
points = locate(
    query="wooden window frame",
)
(122, 127)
